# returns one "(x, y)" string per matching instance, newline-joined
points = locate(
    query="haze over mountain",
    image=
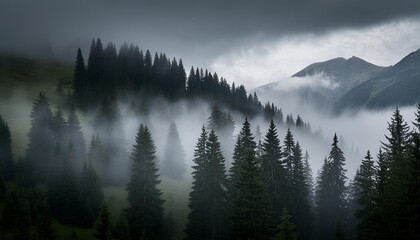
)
(339, 84)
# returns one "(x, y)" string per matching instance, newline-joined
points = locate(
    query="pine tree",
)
(97, 157)
(245, 143)
(288, 147)
(195, 228)
(252, 207)
(413, 201)
(309, 177)
(365, 183)
(286, 228)
(6, 156)
(39, 153)
(79, 80)
(145, 211)
(393, 203)
(331, 189)
(274, 172)
(302, 212)
(121, 229)
(103, 224)
(75, 135)
(64, 193)
(90, 189)
(209, 199)
(337, 180)
(174, 165)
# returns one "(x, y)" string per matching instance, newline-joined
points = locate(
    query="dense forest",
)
(264, 189)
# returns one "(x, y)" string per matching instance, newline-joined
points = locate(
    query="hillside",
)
(21, 80)
(396, 85)
(354, 84)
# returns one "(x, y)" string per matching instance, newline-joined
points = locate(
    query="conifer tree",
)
(302, 211)
(209, 199)
(174, 165)
(145, 211)
(79, 80)
(103, 224)
(413, 201)
(121, 229)
(6, 156)
(245, 143)
(251, 217)
(39, 153)
(75, 135)
(274, 172)
(286, 228)
(97, 157)
(195, 228)
(365, 183)
(64, 193)
(331, 189)
(392, 206)
(60, 128)
(90, 189)
(288, 147)
(309, 177)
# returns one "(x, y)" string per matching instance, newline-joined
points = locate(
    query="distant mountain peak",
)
(338, 66)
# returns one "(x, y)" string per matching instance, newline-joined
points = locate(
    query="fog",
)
(361, 130)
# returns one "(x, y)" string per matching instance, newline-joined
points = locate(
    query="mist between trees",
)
(131, 153)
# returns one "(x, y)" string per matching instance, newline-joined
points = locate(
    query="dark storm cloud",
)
(195, 30)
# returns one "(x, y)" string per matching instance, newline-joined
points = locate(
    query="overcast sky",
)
(249, 42)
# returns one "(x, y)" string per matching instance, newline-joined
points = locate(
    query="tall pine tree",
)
(145, 211)
(274, 172)
(209, 199)
(174, 165)
(252, 211)
(39, 153)
(6, 156)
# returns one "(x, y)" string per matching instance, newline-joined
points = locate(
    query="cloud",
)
(197, 31)
(383, 44)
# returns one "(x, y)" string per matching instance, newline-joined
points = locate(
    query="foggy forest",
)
(177, 134)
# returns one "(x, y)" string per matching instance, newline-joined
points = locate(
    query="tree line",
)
(136, 76)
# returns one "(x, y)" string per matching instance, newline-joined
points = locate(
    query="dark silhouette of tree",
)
(174, 165)
(75, 135)
(251, 207)
(64, 192)
(286, 228)
(6, 156)
(302, 212)
(288, 148)
(209, 199)
(274, 172)
(103, 224)
(97, 157)
(309, 177)
(365, 185)
(39, 153)
(195, 228)
(79, 82)
(393, 213)
(145, 211)
(90, 189)
(331, 189)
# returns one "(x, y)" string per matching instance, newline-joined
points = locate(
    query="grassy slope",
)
(21, 80)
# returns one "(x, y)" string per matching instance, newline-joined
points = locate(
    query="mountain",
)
(354, 84)
(337, 76)
(396, 85)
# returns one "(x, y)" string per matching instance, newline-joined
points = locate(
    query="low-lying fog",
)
(361, 131)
